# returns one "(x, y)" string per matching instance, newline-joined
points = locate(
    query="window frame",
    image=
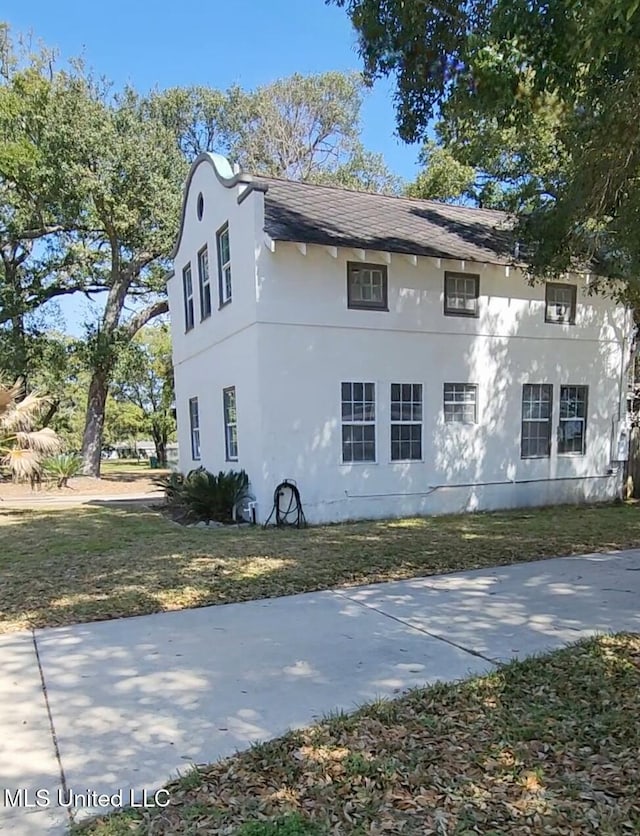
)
(361, 423)
(188, 300)
(452, 311)
(445, 402)
(554, 320)
(549, 420)
(358, 266)
(194, 429)
(584, 418)
(204, 283)
(223, 298)
(406, 422)
(230, 425)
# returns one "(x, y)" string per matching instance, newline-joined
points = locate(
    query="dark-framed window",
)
(461, 293)
(358, 402)
(406, 421)
(194, 425)
(187, 291)
(572, 430)
(560, 303)
(461, 403)
(224, 265)
(367, 286)
(204, 283)
(230, 423)
(537, 407)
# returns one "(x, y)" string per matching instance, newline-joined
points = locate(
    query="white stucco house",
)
(385, 354)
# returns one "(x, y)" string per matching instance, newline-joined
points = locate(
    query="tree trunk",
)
(161, 453)
(94, 424)
(160, 441)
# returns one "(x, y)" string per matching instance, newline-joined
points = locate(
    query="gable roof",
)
(312, 214)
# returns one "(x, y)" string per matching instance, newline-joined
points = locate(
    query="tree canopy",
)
(540, 98)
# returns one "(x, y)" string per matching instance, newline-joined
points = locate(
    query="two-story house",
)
(385, 354)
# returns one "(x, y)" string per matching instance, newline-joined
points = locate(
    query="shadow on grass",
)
(479, 756)
(93, 563)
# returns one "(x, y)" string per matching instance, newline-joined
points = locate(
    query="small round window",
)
(200, 206)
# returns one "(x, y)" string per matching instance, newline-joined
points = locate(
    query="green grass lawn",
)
(544, 746)
(84, 564)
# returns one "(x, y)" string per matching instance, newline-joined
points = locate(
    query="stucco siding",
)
(288, 340)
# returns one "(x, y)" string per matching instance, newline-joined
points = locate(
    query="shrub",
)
(203, 495)
(62, 467)
(210, 497)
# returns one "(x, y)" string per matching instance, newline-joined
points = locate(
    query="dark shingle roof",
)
(331, 216)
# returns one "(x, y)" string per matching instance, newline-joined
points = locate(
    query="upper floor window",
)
(560, 303)
(358, 422)
(224, 265)
(461, 292)
(535, 434)
(187, 291)
(194, 426)
(367, 286)
(205, 285)
(406, 421)
(573, 419)
(230, 423)
(461, 403)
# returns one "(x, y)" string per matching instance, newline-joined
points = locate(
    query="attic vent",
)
(200, 206)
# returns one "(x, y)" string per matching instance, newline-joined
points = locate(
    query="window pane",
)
(460, 402)
(536, 420)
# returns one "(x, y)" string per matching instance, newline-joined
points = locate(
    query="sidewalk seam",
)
(52, 728)
(468, 650)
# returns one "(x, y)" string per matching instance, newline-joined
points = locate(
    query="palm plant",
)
(22, 446)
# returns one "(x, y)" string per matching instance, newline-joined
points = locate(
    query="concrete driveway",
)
(125, 705)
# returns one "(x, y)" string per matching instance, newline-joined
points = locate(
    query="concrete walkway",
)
(124, 705)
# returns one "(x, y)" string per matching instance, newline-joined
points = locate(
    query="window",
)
(560, 303)
(224, 265)
(367, 286)
(230, 423)
(535, 439)
(461, 293)
(358, 422)
(460, 403)
(406, 421)
(205, 286)
(194, 423)
(187, 289)
(573, 419)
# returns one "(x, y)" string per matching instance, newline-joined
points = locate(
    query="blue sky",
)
(249, 42)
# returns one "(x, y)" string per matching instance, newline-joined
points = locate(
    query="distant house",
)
(386, 354)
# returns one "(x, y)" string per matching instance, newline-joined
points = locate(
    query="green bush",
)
(62, 467)
(203, 495)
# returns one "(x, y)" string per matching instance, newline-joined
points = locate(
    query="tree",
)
(144, 378)
(22, 446)
(40, 191)
(300, 128)
(541, 96)
(134, 194)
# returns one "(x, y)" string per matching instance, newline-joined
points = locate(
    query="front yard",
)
(544, 746)
(85, 564)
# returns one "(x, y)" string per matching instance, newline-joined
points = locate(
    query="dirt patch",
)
(108, 485)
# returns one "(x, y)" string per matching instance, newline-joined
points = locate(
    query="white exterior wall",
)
(288, 340)
(309, 342)
(220, 351)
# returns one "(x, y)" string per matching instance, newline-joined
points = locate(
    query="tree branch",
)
(131, 328)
